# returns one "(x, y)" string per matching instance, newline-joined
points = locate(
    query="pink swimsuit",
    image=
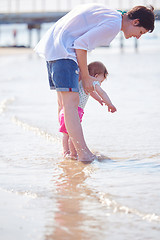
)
(83, 98)
(62, 123)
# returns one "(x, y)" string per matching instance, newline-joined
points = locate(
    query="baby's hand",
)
(111, 108)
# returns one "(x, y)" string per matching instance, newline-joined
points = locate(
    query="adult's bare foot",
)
(88, 159)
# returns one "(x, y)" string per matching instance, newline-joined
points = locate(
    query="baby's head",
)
(98, 70)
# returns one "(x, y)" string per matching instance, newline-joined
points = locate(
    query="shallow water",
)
(44, 196)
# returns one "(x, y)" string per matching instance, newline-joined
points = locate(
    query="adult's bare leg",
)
(73, 152)
(59, 100)
(73, 125)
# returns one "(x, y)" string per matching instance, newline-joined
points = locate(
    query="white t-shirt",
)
(85, 27)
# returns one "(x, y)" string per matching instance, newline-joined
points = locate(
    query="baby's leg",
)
(65, 144)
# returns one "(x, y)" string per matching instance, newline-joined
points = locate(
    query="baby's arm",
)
(105, 98)
(97, 97)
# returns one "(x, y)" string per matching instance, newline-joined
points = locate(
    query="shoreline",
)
(14, 50)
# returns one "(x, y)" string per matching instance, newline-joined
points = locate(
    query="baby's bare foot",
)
(70, 156)
(65, 154)
(75, 157)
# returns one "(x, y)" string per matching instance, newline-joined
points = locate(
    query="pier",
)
(34, 15)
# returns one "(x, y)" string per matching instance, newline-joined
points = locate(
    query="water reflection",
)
(71, 197)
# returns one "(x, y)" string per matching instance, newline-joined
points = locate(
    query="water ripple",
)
(4, 104)
(106, 201)
(36, 130)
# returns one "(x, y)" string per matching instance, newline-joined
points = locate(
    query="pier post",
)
(30, 37)
(30, 28)
(136, 44)
(121, 40)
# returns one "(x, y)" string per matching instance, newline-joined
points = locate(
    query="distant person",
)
(15, 37)
(99, 71)
(65, 47)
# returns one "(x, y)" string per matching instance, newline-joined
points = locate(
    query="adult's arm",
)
(87, 80)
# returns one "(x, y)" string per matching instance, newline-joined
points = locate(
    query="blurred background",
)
(23, 22)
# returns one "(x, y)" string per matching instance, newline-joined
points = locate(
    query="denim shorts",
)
(63, 75)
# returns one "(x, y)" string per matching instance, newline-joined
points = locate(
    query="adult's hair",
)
(97, 68)
(145, 15)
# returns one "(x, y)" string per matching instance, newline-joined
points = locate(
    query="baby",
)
(99, 71)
